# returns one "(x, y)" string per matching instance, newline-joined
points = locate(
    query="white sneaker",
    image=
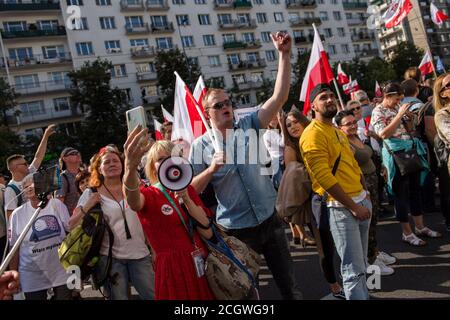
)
(386, 258)
(384, 270)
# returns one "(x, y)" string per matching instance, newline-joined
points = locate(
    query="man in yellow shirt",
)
(340, 201)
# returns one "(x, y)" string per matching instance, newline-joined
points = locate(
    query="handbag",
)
(231, 266)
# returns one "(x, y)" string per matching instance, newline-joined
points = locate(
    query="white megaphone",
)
(175, 173)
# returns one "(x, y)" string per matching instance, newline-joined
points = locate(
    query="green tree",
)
(104, 106)
(405, 55)
(7, 100)
(167, 62)
(299, 71)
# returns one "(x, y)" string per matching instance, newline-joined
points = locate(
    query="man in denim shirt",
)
(245, 196)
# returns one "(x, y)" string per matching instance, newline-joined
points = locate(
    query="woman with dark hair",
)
(131, 262)
(393, 123)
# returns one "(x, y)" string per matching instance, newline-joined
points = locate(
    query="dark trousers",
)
(407, 195)
(444, 190)
(60, 293)
(269, 239)
(325, 248)
(372, 187)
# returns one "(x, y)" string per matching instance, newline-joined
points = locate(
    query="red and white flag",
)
(350, 87)
(426, 65)
(396, 12)
(438, 16)
(200, 91)
(187, 123)
(378, 91)
(319, 71)
(166, 114)
(158, 134)
(342, 77)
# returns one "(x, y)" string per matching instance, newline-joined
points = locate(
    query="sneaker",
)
(386, 258)
(340, 295)
(384, 269)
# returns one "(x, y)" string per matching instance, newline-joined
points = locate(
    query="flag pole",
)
(211, 133)
(432, 63)
(339, 94)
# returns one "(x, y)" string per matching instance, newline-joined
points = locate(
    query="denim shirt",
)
(245, 197)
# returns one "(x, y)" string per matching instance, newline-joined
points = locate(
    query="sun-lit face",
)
(445, 89)
(294, 128)
(161, 157)
(357, 110)
(28, 188)
(349, 125)
(83, 184)
(220, 110)
(392, 100)
(111, 166)
(325, 104)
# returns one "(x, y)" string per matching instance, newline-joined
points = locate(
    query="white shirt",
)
(274, 143)
(2, 214)
(10, 195)
(123, 248)
(39, 265)
(361, 134)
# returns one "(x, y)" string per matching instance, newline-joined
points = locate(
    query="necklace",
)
(122, 210)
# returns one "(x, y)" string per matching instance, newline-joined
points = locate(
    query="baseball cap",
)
(318, 89)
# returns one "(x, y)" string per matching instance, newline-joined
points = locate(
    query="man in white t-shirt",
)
(19, 169)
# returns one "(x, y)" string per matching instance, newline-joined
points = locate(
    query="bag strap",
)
(336, 163)
(63, 174)
(17, 192)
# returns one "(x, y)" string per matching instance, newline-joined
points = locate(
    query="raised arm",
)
(40, 152)
(283, 43)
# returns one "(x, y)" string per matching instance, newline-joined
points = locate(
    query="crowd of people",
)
(336, 171)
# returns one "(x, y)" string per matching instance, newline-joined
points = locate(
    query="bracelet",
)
(82, 210)
(129, 189)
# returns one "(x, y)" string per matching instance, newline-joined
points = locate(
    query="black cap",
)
(321, 87)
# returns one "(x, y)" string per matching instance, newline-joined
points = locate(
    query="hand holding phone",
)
(135, 117)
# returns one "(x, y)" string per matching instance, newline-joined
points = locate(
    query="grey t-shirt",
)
(68, 191)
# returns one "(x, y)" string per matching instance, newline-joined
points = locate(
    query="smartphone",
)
(135, 117)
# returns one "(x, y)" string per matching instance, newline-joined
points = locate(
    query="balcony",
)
(306, 22)
(143, 52)
(354, 5)
(248, 85)
(299, 4)
(149, 101)
(30, 5)
(33, 32)
(236, 45)
(132, 5)
(146, 76)
(363, 37)
(138, 29)
(230, 4)
(42, 87)
(162, 28)
(242, 4)
(301, 40)
(42, 115)
(367, 53)
(157, 5)
(356, 21)
(37, 60)
(236, 24)
(243, 65)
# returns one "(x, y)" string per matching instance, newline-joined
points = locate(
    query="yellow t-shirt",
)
(320, 149)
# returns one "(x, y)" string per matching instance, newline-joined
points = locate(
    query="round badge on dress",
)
(166, 209)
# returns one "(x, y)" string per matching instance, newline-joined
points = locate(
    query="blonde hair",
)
(161, 146)
(352, 102)
(439, 102)
(96, 178)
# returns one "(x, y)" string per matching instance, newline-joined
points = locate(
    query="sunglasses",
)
(355, 109)
(220, 105)
(446, 87)
(23, 164)
(73, 153)
(353, 123)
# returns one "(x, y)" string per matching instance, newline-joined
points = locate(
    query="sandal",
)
(427, 232)
(413, 240)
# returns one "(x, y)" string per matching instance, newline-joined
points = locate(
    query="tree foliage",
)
(7, 100)
(299, 71)
(405, 55)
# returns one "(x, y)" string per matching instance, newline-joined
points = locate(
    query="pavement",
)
(420, 272)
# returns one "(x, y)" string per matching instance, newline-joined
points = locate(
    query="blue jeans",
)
(351, 238)
(137, 272)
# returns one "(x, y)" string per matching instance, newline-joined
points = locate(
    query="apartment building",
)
(229, 40)
(418, 28)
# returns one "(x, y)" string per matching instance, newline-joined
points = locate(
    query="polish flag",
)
(187, 123)
(426, 65)
(378, 91)
(200, 91)
(319, 71)
(342, 77)
(396, 12)
(351, 87)
(438, 16)
(158, 134)
(166, 114)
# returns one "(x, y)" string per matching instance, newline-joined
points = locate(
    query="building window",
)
(134, 22)
(61, 104)
(200, 1)
(80, 24)
(248, 37)
(233, 58)
(271, 55)
(112, 46)
(333, 1)
(51, 52)
(337, 15)
(261, 17)
(328, 32)
(32, 108)
(74, 2)
(26, 81)
(107, 23)
(225, 18)
(164, 43)
(331, 49)
(244, 99)
(341, 32)
(84, 48)
(345, 48)
(20, 53)
(119, 71)
(278, 16)
(187, 41)
(139, 42)
(214, 61)
(183, 20)
(229, 37)
(275, 1)
(209, 40)
(203, 19)
(179, 2)
(258, 2)
(265, 36)
(323, 15)
(103, 2)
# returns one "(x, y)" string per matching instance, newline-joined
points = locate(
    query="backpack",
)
(81, 247)
(17, 192)
(441, 151)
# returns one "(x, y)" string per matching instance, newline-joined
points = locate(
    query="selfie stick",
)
(41, 205)
(211, 133)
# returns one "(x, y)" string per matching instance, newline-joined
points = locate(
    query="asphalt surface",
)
(420, 272)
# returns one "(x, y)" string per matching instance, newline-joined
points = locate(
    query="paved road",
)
(420, 273)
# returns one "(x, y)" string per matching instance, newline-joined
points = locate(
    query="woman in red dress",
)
(179, 249)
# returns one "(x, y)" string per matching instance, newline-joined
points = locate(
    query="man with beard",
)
(340, 195)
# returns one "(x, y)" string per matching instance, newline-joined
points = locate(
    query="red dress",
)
(175, 275)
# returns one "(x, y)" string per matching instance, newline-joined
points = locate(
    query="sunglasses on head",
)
(220, 105)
